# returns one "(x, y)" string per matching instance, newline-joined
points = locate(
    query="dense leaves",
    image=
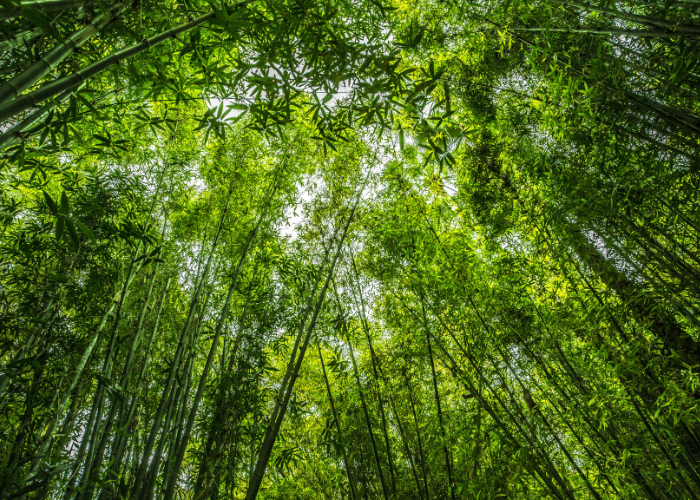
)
(347, 249)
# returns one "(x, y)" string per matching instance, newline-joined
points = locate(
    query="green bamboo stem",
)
(377, 372)
(565, 396)
(553, 432)
(20, 439)
(170, 490)
(75, 377)
(546, 422)
(353, 493)
(91, 470)
(20, 39)
(158, 455)
(592, 426)
(685, 28)
(687, 442)
(292, 372)
(216, 436)
(102, 427)
(662, 325)
(258, 471)
(47, 312)
(129, 414)
(10, 108)
(115, 407)
(373, 356)
(639, 33)
(42, 5)
(179, 352)
(73, 476)
(404, 441)
(515, 420)
(448, 460)
(169, 435)
(483, 379)
(17, 133)
(368, 423)
(124, 412)
(454, 369)
(212, 437)
(11, 89)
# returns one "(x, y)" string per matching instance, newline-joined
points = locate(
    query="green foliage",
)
(293, 249)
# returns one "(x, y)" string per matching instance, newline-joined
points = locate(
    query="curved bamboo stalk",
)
(10, 108)
(20, 39)
(49, 60)
(42, 5)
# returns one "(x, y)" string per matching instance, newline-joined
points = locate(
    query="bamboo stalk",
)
(170, 490)
(148, 448)
(640, 33)
(91, 470)
(42, 5)
(11, 89)
(448, 460)
(353, 493)
(295, 362)
(418, 434)
(373, 356)
(19, 40)
(368, 423)
(10, 108)
(215, 435)
(678, 27)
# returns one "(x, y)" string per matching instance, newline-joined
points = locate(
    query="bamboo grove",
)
(352, 249)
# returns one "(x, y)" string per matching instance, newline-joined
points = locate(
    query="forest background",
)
(288, 249)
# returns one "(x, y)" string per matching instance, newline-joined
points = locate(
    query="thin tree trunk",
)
(283, 395)
(375, 451)
(663, 325)
(686, 28)
(397, 416)
(418, 436)
(515, 420)
(373, 356)
(121, 442)
(91, 470)
(117, 408)
(74, 379)
(216, 436)
(47, 312)
(148, 448)
(640, 33)
(546, 480)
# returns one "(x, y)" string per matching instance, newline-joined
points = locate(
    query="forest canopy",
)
(349, 249)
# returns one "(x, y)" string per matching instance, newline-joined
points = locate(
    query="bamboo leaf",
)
(72, 232)
(60, 224)
(52, 204)
(86, 231)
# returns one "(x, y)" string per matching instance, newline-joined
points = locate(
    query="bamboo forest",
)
(349, 249)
